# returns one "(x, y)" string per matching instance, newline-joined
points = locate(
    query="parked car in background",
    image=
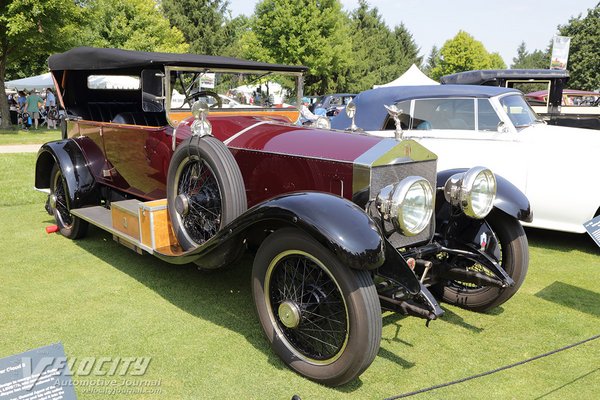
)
(342, 226)
(482, 125)
(570, 97)
(555, 110)
(331, 104)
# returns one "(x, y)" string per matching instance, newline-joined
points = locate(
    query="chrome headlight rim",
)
(459, 191)
(391, 202)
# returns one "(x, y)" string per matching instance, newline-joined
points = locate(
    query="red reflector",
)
(52, 229)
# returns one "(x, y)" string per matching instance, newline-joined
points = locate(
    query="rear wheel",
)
(58, 201)
(322, 318)
(205, 190)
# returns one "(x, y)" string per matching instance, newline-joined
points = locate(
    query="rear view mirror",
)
(153, 95)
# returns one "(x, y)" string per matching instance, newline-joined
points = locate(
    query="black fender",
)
(509, 198)
(81, 184)
(338, 224)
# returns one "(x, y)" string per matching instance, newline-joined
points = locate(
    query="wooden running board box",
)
(155, 225)
(125, 217)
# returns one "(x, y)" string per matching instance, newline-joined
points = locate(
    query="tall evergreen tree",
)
(203, 23)
(538, 59)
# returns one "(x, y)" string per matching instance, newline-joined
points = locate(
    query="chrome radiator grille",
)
(382, 176)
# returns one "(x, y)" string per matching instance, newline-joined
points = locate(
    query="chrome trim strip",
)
(240, 133)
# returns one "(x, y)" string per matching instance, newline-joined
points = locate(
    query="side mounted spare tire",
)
(205, 190)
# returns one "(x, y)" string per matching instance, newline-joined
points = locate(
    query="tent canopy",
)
(38, 82)
(412, 77)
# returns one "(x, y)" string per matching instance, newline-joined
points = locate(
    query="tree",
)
(29, 30)
(433, 60)
(131, 25)
(380, 54)
(525, 60)
(464, 53)
(302, 32)
(584, 52)
(203, 23)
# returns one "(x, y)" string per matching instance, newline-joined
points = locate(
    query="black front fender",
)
(338, 224)
(509, 198)
(81, 184)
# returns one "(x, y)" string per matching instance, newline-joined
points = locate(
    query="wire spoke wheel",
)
(322, 318)
(205, 190)
(200, 198)
(60, 202)
(70, 226)
(513, 257)
(307, 306)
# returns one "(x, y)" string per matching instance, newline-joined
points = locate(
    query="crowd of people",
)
(34, 109)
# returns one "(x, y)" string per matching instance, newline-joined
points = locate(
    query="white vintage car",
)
(556, 167)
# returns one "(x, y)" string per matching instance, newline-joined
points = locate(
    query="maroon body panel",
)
(274, 157)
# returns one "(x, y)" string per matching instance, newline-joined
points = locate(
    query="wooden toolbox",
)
(155, 226)
(125, 217)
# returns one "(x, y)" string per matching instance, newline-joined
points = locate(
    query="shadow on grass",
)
(222, 297)
(573, 297)
(455, 319)
(568, 383)
(562, 241)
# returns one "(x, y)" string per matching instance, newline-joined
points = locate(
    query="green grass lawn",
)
(100, 299)
(28, 137)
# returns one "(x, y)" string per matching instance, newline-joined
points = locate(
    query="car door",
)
(467, 132)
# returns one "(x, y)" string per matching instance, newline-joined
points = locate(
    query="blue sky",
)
(500, 25)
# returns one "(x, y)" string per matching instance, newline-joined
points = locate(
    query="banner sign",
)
(40, 374)
(560, 52)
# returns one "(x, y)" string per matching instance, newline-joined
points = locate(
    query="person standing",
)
(32, 107)
(50, 109)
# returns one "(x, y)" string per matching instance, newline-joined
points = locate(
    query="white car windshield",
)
(519, 111)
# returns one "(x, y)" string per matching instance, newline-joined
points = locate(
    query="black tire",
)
(515, 261)
(297, 281)
(69, 226)
(205, 190)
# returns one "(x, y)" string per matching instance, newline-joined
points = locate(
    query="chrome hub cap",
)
(182, 204)
(289, 314)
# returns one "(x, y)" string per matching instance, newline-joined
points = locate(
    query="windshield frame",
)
(533, 117)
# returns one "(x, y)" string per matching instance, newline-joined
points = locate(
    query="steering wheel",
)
(205, 93)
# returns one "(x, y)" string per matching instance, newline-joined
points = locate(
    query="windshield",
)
(519, 111)
(230, 89)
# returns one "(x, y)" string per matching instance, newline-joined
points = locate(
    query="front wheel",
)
(514, 260)
(69, 226)
(322, 318)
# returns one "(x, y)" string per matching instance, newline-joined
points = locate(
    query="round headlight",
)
(323, 123)
(473, 191)
(408, 204)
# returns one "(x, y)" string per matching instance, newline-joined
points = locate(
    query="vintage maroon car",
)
(342, 224)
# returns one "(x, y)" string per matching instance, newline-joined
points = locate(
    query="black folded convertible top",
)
(91, 58)
(491, 76)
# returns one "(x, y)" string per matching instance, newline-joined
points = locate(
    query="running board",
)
(140, 226)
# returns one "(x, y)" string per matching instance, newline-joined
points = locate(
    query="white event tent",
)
(412, 77)
(38, 82)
